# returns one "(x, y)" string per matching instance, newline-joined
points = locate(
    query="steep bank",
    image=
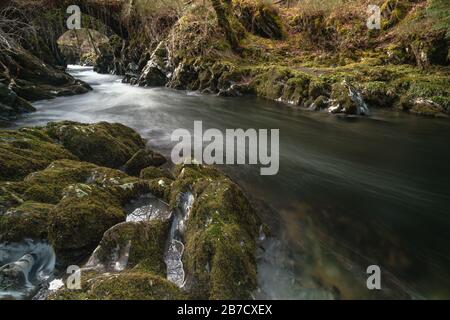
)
(315, 55)
(31, 67)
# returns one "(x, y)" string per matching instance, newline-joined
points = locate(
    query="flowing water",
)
(351, 192)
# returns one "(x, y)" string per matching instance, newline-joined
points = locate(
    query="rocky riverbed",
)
(66, 185)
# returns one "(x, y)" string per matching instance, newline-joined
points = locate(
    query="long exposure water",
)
(351, 192)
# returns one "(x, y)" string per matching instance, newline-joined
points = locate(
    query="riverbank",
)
(314, 57)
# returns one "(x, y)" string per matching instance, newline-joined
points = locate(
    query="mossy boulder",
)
(150, 173)
(27, 150)
(79, 220)
(220, 237)
(26, 221)
(144, 242)
(122, 286)
(105, 144)
(10, 195)
(143, 159)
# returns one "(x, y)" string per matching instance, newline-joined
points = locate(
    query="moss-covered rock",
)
(260, 18)
(27, 150)
(144, 243)
(151, 173)
(143, 159)
(219, 258)
(345, 98)
(27, 221)
(79, 220)
(105, 144)
(122, 286)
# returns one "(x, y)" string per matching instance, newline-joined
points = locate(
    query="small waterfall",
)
(24, 267)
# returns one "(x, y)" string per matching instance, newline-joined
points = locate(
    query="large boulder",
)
(219, 235)
(104, 144)
(27, 150)
(131, 244)
(27, 221)
(79, 220)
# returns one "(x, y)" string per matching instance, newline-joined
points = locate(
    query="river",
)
(351, 192)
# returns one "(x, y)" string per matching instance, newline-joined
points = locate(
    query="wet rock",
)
(12, 105)
(157, 70)
(219, 236)
(132, 74)
(105, 144)
(346, 99)
(143, 159)
(147, 208)
(319, 104)
(32, 79)
(128, 244)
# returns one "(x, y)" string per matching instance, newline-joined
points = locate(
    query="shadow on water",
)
(351, 192)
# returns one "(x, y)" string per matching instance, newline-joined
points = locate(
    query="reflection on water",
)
(351, 192)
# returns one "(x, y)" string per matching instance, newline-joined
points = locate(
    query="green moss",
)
(142, 159)
(27, 221)
(220, 236)
(296, 90)
(155, 173)
(105, 144)
(11, 195)
(147, 241)
(79, 220)
(25, 151)
(135, 286)
(160, 187)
